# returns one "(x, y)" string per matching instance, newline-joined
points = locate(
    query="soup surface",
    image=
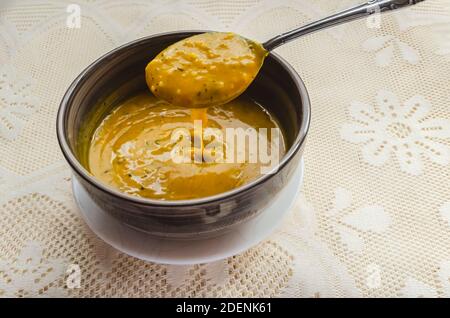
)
(133, 148)
(205, 69)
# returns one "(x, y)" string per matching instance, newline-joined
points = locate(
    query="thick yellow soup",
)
(206, 69)
(134, 147)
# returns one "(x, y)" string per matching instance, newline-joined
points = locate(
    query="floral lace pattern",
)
(373, 218)
(349, 221)
(30, 272)
(385, 45)
(403, 130)
(16, 102)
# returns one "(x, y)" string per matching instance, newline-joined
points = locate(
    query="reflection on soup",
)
(133, 149)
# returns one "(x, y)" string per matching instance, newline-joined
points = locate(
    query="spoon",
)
(215, 67)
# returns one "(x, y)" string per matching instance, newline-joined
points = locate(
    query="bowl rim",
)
(79, 169)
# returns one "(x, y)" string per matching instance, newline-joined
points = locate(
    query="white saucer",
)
(139, 244)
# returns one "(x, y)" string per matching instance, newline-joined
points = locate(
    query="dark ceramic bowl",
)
(120, 74)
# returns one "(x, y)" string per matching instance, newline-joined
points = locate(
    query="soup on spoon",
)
(205, 70)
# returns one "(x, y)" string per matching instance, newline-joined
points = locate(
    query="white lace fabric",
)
(373, 218)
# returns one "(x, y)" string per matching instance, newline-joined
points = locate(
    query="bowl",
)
(120, 74)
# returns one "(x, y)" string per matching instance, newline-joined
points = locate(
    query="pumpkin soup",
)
(133, 148)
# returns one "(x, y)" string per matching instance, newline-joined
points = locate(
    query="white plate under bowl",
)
(178, 252)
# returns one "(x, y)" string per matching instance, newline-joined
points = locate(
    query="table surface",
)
(373, 218)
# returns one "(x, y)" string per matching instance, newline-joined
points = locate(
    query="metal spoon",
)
(358, 12)
(213, 68)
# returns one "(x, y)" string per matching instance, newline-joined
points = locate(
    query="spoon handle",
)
(361, 11)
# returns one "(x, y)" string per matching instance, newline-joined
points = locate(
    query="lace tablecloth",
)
(373, 218)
